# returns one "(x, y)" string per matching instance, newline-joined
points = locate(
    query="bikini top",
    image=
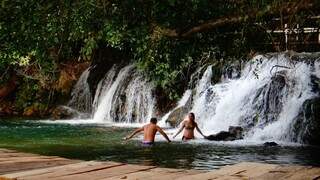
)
(189, 127)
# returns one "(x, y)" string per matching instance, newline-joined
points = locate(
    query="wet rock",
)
(177, 116)
(232, 71)
(307, 124)
(65, 82)
(315, 84)
(69, 74)
(62, 112)
(268, 102)
(270, 144)
(234, 133)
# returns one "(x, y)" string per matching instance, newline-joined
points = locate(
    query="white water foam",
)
(234, 102)
(103, 112)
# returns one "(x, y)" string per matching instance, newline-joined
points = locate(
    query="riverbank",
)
(16, 165)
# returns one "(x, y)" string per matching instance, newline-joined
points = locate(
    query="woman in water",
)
(189, 124)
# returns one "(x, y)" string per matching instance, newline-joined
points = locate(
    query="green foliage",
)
(27, 94)
(44, 33)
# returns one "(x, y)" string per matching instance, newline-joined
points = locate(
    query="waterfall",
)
(265, 97)
(264, 100)
(81, 99)
(127, 99)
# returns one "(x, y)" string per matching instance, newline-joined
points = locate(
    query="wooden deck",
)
(16, 165)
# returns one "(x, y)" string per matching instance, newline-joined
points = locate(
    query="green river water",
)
(98, 142)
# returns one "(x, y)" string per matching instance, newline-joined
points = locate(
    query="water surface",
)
(98, 142)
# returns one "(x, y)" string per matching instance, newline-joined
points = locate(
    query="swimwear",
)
(186, 138)
(147, 143)
(189, 128)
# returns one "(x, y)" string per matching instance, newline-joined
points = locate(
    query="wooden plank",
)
(105, 173)
(57, 169)
(156, 173)
(11, 167)
(75, 169)
(28, 158)
(16, 154)
(238, 171)
(36, 167)
(312, 173)
(281, 172)
(6, 150)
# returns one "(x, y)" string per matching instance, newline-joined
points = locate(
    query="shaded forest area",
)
(45, 45)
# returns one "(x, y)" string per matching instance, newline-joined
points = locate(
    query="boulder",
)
(179, 113)
(62, 112)
(177, 116)
(270, 144)
(234, 133)
(307, 124)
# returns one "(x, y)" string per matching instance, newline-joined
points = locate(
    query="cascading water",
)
(127, 99)
(81, 99)
(265, 100)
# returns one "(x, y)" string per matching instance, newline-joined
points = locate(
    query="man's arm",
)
(163, 134)
(134, 133)
(179, 131)
(198, 129)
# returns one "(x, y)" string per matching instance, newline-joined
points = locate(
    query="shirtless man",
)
(189, 124)
(149, 132)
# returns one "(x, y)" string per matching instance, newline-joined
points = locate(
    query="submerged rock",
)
(234, 133)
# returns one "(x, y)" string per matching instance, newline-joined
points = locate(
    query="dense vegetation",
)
(164, 38)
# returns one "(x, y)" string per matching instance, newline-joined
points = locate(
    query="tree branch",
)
(284, 8)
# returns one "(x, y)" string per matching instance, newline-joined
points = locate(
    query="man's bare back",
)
(149, 132)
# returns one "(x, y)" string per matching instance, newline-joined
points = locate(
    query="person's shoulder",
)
(158, 127)
(184, 121)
